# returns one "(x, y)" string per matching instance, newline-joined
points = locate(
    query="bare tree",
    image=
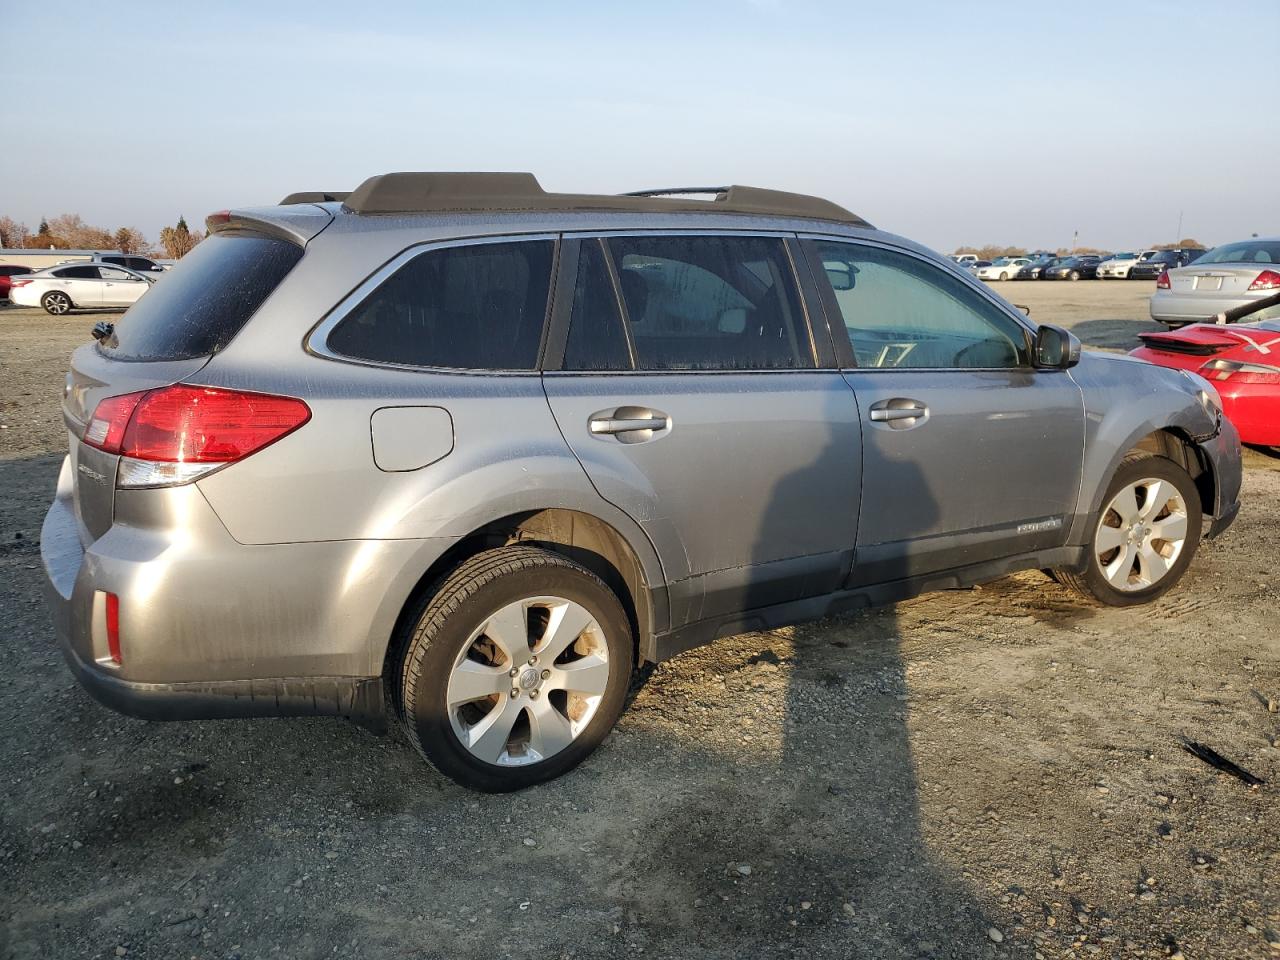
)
(993, 250)
(131, 240)
(12, 233)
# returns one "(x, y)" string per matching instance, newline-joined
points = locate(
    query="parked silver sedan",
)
(1226, 277)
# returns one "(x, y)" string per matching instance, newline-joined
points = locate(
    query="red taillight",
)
(1266, 280)
(185, 424)
(1162, 281)
(18, 283)
(1238, 372)
(106, 427)
(113, 627)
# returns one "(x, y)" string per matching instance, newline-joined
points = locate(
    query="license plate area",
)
(1208, 283)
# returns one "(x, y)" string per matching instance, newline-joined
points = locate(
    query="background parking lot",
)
(979, 773)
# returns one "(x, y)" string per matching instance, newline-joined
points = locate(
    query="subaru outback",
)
(459, 453)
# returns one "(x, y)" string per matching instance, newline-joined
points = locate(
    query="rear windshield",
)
(196, 308)
(1251, 251)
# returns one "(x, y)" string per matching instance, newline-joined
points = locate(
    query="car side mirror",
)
(1055, 348)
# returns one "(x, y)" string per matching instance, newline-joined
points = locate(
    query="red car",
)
(8, 270)
(1241, 361)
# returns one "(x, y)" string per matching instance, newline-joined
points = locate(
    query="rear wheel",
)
(515, 670)
(56, 302)
(1074, 275)
(1145, 535)
(1004, 276)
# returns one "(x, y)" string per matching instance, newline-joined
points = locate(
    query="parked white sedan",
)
(1003, 268)
(86, 285)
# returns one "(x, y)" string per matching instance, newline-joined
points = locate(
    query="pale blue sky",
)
(947, 122)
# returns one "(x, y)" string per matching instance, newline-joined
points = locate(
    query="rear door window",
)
(709, 303)
(473, 307)
(205, 300)
(77, 273)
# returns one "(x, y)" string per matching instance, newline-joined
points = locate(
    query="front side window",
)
(710, 303)
(474, 307)
(111, 273)
(900, 311)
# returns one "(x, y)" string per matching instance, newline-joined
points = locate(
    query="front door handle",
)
(630, 424)
(899, 413)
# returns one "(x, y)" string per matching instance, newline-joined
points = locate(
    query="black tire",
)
(1073, 275)
(1091, 582)
(56, 303)
(1004, 276)
(437, 636)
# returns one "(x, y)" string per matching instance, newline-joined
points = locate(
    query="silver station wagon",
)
(456, 452)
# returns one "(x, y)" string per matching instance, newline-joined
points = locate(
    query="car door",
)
(82, 284)
(685, 378)
(969, 453)
(120, 288)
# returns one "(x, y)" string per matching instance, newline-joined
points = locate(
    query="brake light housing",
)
(1266, 280)
(18, 283)
(175, 434)
(1162, 281)
(1236, 371)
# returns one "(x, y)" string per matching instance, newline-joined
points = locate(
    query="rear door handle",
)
(630, 424)
(899, 412)
(621, 425)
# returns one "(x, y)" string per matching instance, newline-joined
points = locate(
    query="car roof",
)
(409, 193)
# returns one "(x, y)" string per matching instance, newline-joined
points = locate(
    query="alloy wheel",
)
(528, 681)
(1141, 534)
(57, 303)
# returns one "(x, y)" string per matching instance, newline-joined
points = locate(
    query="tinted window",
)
(900, 311)
(597, 339)
(478, 307)
(12, 271)
(139, 263)
(77, 273)
(710, 303)
(118, 261)
(112, 273)
(1250, 251)
(204, 301)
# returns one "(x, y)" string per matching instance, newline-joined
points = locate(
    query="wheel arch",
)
(1173, 443)
(632, 572)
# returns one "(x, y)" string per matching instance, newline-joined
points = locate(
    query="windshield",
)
(1250, 251)
(1124, 256)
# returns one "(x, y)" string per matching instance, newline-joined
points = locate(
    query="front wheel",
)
(515, 670)
(1145, 535)
(1004, 276)
(56, 302)
(1074, 275)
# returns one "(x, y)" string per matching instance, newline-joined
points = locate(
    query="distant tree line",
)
(70, 232)
(993, 250)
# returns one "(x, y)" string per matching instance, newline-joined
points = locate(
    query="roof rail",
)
(401, 193)
(314, 196)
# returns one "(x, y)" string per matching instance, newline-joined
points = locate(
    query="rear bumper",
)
(1254, 409)
(1167, 306)
(211, 628)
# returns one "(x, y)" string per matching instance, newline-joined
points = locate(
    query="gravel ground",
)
(983, 773)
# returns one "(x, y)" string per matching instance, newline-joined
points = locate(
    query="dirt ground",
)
(984, 773)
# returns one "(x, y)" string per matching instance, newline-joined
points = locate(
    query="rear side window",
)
(77, 273)
(710, 303)
(597, 338)
(195, 309)
(474, 307)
